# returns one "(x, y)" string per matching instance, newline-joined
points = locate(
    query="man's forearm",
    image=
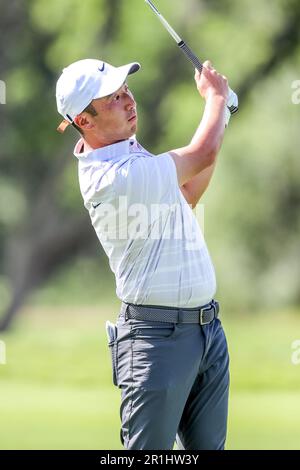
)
(204, 146)
(212, 125)
(194, 189)
(196, 186)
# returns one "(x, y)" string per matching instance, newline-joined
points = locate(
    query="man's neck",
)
(90, 146)
(86, 147)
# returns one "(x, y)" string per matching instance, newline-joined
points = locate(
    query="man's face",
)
(117, 116)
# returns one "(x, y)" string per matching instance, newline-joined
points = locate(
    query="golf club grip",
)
(190, 55)
(232, 99)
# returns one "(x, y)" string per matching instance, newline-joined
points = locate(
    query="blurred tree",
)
(42, 222)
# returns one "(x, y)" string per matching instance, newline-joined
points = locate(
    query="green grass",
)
(48, 417)
(56, 390)
(264, 420)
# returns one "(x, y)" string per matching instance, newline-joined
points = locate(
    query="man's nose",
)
(130, 98)
(131, 101)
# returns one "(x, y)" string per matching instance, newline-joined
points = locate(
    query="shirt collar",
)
(110, 152)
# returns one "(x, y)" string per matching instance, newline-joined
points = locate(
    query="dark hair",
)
(90, 110)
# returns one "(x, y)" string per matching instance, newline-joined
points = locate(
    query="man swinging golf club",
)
(169, 351)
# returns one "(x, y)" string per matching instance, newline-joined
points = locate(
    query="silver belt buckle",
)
(202, 311)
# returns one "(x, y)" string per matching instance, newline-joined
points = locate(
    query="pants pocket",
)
(150, 331)
(113, 346)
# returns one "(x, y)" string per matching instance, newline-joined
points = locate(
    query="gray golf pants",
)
(174, 381)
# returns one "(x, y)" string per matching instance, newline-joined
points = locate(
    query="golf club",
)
(232, 102)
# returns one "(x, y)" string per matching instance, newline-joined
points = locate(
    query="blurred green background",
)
(56, 289)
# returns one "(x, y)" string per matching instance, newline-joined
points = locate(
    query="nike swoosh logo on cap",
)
(102, 68)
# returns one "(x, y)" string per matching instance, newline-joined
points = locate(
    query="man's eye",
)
(117, 97)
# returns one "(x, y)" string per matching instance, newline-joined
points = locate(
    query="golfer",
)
(169, 351)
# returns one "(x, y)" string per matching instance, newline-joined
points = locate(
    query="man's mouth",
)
(132, 118)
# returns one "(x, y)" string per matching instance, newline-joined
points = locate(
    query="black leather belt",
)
(201, 315)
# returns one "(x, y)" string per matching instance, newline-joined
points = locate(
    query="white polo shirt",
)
(148, 231)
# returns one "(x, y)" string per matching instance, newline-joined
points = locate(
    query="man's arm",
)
(195, 188)
(201, 153)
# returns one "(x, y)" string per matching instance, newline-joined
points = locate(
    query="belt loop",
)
(125, 313)
(215, 309)
(180, 316)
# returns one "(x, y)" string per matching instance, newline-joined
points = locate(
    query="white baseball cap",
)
(87, 80)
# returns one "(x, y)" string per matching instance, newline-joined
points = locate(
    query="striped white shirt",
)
(152, 238)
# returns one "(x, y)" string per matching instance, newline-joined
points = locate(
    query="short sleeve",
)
(96, 183)
(148, 180)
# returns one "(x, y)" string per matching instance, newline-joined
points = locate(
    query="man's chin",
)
(133, 130)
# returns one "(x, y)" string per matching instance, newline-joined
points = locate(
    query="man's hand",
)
(210, 82)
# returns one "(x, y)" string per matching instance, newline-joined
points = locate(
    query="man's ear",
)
(84, 121)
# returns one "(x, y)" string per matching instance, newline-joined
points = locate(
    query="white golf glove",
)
(231, 106)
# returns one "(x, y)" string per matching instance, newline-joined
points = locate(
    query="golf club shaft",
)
(188, 52)
(164, 22)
